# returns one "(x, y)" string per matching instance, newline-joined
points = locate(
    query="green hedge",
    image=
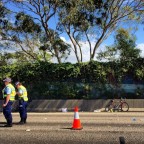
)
(69, 81)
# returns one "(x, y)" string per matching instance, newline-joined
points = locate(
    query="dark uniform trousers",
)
(7, 112)
(23, 109)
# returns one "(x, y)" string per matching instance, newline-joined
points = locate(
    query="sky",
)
(109, 41)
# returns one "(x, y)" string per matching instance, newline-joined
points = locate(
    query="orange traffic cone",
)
(76, 122)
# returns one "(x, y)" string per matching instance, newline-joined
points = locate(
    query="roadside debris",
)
(97, 110)
(28, 130)
(64, 110)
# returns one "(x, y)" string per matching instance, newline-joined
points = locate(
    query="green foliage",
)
(4, 23)
(26, 23)
(69, 81)
(123, 49)
(125, 43)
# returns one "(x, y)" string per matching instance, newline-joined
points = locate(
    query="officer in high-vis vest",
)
(23, 101)
(9, 97)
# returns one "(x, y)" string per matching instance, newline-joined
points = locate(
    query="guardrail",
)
(84, 105)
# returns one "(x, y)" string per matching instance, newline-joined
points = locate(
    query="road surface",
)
(55, 128)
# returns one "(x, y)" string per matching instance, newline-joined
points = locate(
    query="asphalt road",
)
(55, 128)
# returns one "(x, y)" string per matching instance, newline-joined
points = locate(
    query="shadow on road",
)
(67, 128)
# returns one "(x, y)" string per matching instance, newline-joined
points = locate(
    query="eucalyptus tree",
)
(123, 49)
(58, 48)
(126, 44)
(43, 11)
(30, 33)
(19, 33)
(93, 21)
(4, 23)
(22, 36)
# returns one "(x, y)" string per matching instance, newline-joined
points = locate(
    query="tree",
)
(124, 47)
(125, 43)
(94, 21)
(42, 11)
(23, 37)
(76, 19)
(4, 23)
(28, 35)
(58, 48)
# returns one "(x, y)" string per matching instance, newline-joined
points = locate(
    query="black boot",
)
(8, 125)
(21, 122)
(25, 120)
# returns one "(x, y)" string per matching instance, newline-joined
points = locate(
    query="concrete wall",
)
(84, 105)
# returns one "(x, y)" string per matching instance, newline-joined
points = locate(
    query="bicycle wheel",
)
(124, 107)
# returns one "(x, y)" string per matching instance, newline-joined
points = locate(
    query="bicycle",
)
(120, 105)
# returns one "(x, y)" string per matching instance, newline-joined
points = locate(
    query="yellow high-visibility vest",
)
(13, 92)
(24, 93)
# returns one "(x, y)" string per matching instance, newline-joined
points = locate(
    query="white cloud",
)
(85, 51)
(63, 38)
(141, 47)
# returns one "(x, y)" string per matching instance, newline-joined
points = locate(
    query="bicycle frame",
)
(116, 105)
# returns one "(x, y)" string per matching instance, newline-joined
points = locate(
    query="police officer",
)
(9, 97)
(23, 100)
